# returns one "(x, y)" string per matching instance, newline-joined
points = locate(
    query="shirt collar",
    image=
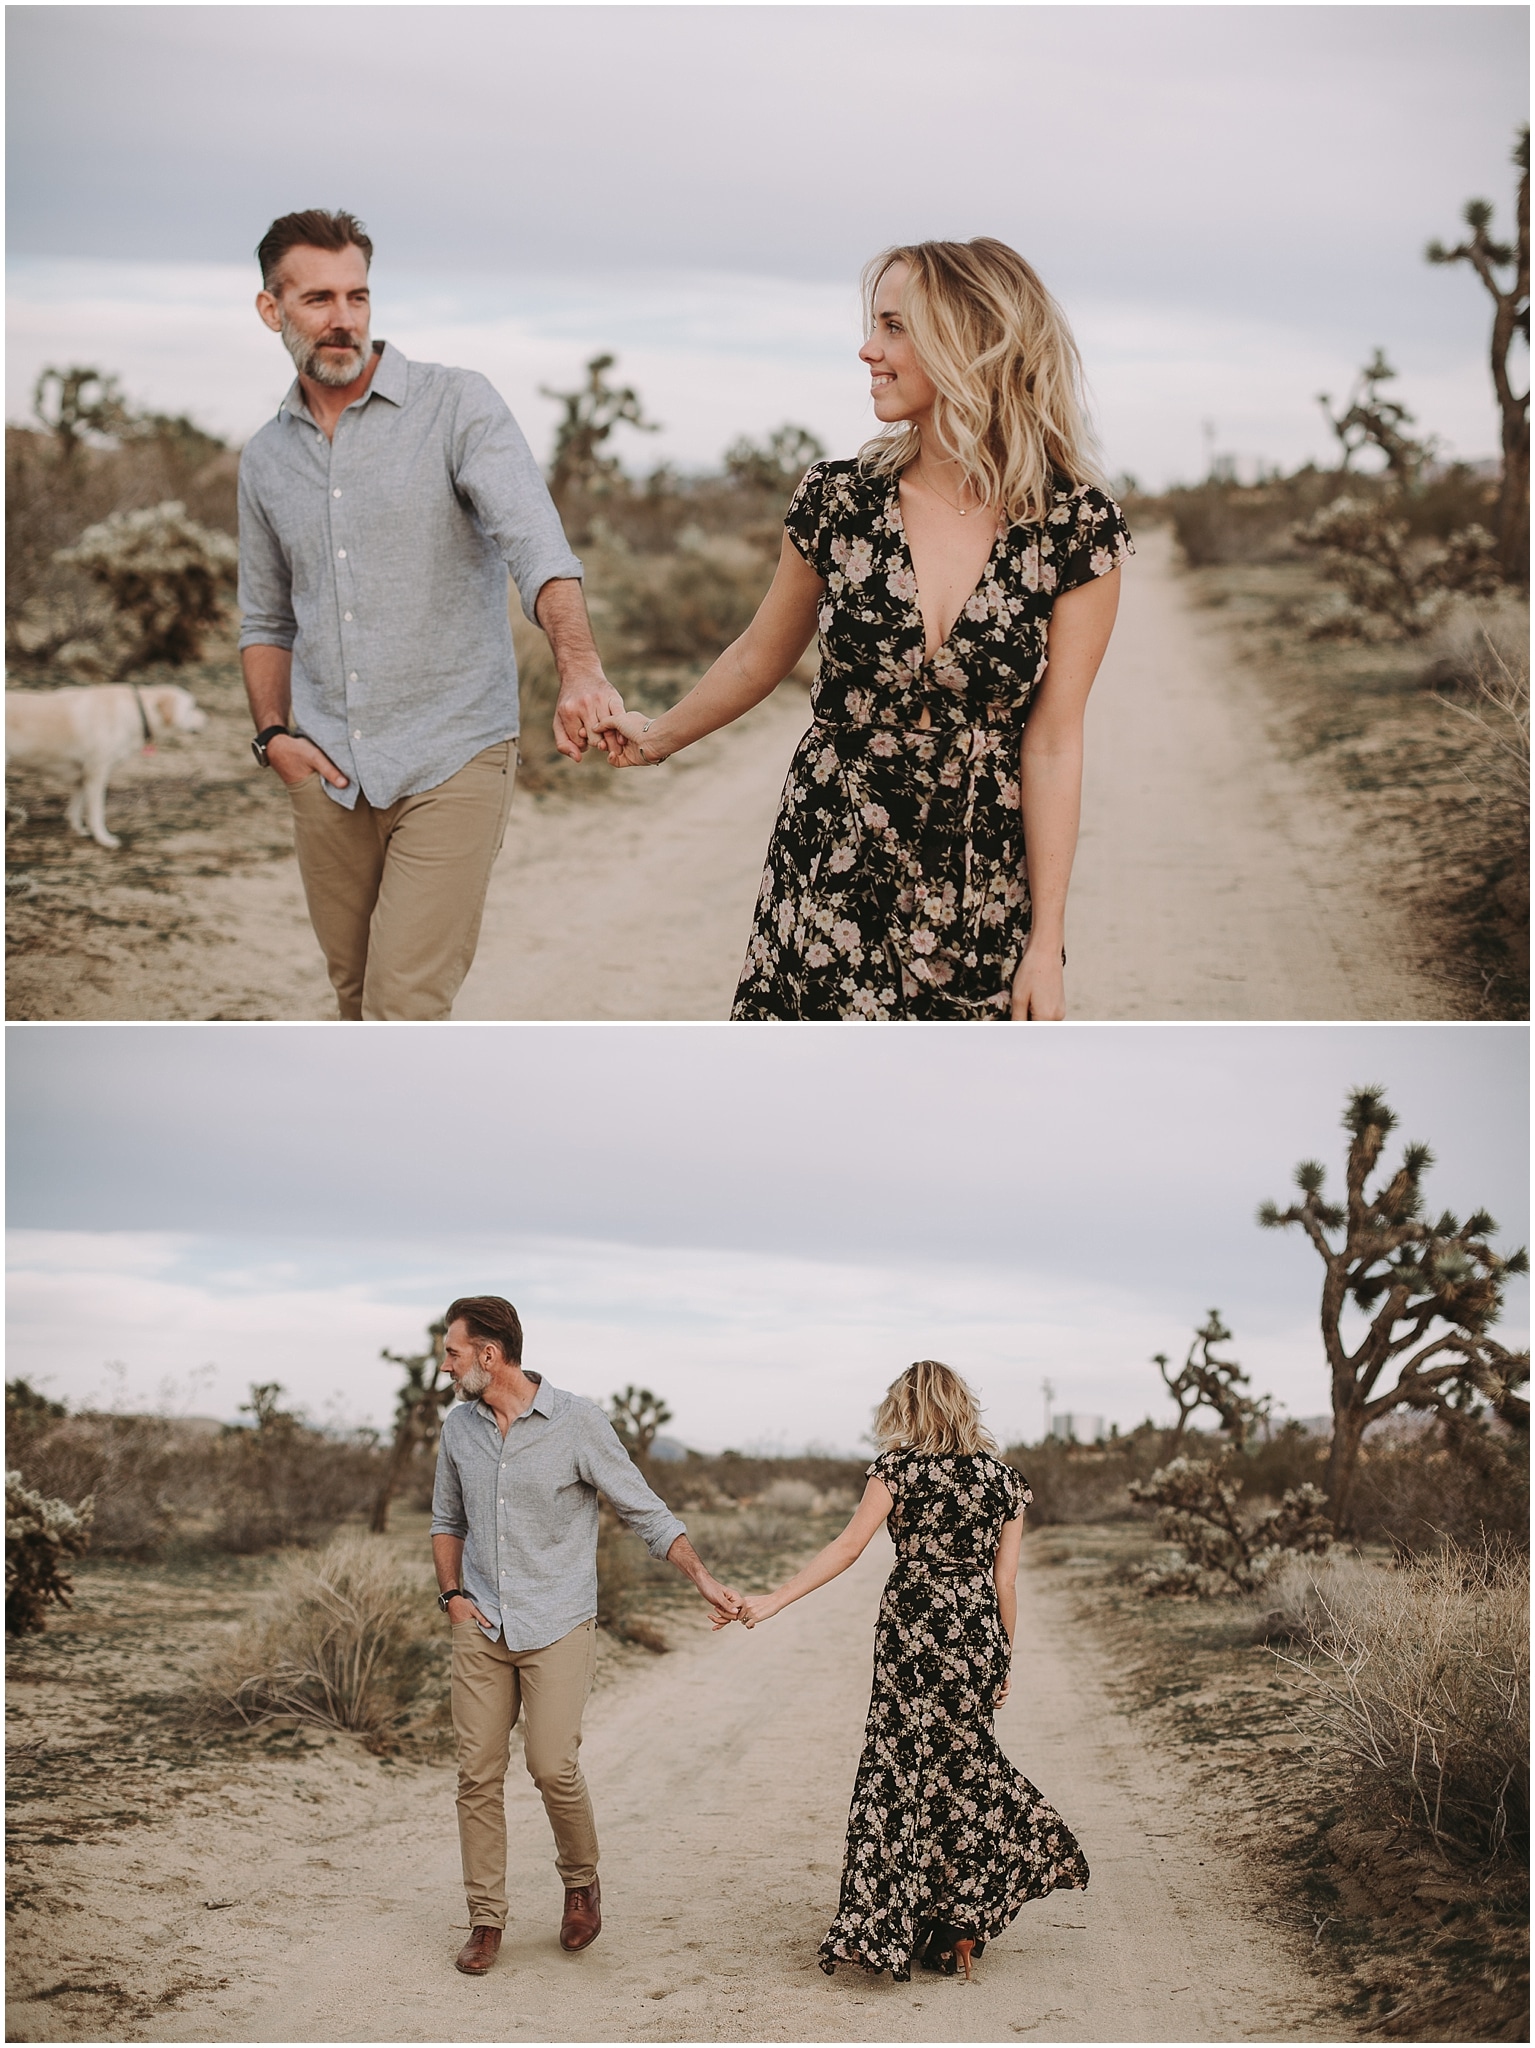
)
(390, 380)
(541, 1404)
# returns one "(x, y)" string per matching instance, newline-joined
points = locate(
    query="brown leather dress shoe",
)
(479, 1951)
(583, 1917)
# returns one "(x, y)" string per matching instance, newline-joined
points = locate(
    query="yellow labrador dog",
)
(87, 732)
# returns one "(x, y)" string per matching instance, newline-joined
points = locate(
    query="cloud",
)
(764, 1225)
(748, 1349)
(1233, 222)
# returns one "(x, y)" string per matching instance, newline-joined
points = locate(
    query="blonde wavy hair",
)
(1011, 405)
(930, 1408)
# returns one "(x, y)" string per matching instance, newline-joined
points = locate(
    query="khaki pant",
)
(396, 895)
(491, 1686)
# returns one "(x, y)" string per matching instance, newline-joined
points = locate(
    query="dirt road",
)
(721, 1777)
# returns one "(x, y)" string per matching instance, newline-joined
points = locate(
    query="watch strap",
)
(264, 739)
(450, 1593)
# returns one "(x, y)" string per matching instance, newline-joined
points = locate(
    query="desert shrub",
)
(348, 1642)
(1089, 1482)
(1225, 1550)
(625, 1572)
(1391, 587)
(1288, 1458)
(740, 1479)
(281, 1482)
(51, 499)
(39, 1535)
(687, 605)
(167, 579)
(146, 1474)
(1466, 1480)
(1418, 1684)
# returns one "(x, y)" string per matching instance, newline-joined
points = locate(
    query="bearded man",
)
(380, 513)
(514, 1541)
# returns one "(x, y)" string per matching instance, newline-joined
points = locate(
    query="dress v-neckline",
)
(997, 540)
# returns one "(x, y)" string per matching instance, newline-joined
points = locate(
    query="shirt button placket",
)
(341, 576)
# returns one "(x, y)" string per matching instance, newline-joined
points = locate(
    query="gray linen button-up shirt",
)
(526, 1507)
(380, 559)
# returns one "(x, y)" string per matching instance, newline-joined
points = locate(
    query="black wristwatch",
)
(264, 739)
(453, 1593)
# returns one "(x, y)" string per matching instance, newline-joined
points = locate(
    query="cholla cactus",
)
(167, 578)
(39, 1535)
(1223, 1552)
(1391, 587)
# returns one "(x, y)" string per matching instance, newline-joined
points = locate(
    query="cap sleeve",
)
(886, 1467)
(1019, 1492)
(1090, 541)
(805, 524)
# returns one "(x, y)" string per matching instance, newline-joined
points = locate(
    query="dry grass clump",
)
(1419, 1688)
(347, 1644)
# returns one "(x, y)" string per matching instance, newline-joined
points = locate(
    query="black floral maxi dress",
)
(943, 1831)
(895, 884)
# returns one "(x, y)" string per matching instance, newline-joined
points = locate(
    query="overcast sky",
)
(764, 1226)
(1232, 202)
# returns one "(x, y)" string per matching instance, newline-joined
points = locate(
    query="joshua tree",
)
(76, 401)
(1511, 316)
(1210, 1382)
(1428, 1291)
(1370, 421)
(638, 1416)
(418, 1413)
(591, 414)
(776, 464)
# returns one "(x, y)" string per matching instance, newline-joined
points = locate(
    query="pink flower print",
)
(902, 584)
(817, 954)
(875, 816)
(844, 935)
(865, 1002)
(825, 764)
(1062, 513)
(1100, 561)
(860, 561)
(924, 941)
(883, 744)
(979, 603)
(841, 859)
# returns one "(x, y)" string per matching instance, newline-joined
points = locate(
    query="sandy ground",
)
(721, 1776)
(1214, 878)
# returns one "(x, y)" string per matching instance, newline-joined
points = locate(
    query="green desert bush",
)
(166, 580)
(1224, 1549)
(54, 495)
(40, 1534)
(348, 1641)
(1417, 1685)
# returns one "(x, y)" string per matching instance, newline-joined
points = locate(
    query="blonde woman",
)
(963, 572)
(945, 1839)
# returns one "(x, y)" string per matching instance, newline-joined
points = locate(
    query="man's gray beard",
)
(474, 1382)
(309, 362)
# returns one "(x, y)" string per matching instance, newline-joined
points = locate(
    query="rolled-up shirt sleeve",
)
(448, 1516)
(493, 467)
(606, 1465)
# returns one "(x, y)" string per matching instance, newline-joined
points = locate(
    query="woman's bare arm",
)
(1051, 785)
(750, 669)
(1005, 1578)
(828, 1564)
